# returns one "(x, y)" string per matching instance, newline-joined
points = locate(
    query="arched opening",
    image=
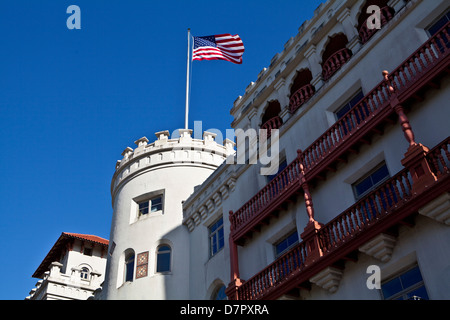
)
(335, 55)
(301, 90)
(271, 119)
(163, 257)
(219, 293)
(84, 273)
(129, 266)
(386, 14)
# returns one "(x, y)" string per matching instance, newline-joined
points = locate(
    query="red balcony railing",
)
(365, 33)
(335, 62)
(430, 60)
(378, 210)
(300, 97)
(366, 211)
(257, 208)
(273, 123)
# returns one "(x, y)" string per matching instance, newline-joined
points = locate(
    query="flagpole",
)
(187, 79)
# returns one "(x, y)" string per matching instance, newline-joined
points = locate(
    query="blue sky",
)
(72, 100)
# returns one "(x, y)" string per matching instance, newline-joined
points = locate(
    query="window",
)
(129, 267)
(352, 121)
(438, 25)
(407, 286)
(151, 205)
(281, 167)
(220, 294)
(163, 254)
(371, 181)
(216, 239)
(87, 251)
(286, 243)
(348, 105)
(84, 274)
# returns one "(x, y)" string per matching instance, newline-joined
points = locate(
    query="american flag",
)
(218, 47)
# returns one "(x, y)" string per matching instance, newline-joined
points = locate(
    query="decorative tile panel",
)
(142, 265)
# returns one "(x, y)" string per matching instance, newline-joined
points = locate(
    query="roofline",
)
(60, 244)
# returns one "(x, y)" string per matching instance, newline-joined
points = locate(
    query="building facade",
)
(72, 270)
(359, 207)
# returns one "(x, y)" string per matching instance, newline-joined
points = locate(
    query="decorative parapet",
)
(165, 151)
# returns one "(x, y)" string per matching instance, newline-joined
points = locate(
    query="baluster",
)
(427, 55)
(442, 160)
(371, 206)
(408, 183)
(419, 57)
(341, 227)
(383, 196)
(348, 221)
(359, 217)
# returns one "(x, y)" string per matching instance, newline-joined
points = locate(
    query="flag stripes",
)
(222, 46)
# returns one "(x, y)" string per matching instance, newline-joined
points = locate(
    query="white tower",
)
(148, 256)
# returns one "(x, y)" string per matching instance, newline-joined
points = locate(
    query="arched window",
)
(219, 294)
(163, 256)
(301, 90)
(271, 119)
(84, 274)
(129, 266)
(386, 14)
(336, 54)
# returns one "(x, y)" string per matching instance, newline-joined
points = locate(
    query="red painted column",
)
(415, 157)
(310, 233)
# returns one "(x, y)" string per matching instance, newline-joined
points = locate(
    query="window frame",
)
(84, 273)
(215, 234)
(149, 205)
(129, 264)
(436, 21)
(405, 291)
(159, 254)
(367, 175)
(286, 237)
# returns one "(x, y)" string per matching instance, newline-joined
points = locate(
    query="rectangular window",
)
(348, 105)
(151, 205)
(407, 286)
(216, 238)
(438, 25)
(286, 243)
(352, 121)
(281, 167)
(371, 181)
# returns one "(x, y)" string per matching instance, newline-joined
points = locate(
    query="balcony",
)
(273, 123)
(365, 33)
(407, 82)
(300, 97)
(335, 62)
(389, 205)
